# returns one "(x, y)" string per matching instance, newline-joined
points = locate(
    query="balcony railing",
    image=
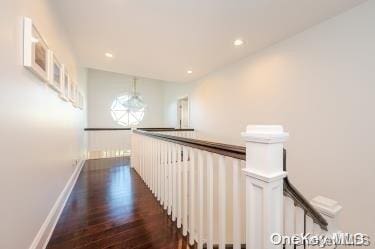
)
(221, 194)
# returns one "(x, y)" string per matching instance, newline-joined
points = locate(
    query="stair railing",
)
(224, 195)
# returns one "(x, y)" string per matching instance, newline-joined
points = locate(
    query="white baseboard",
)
(45, 232)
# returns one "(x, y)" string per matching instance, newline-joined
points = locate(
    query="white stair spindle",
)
(192, 197)
(289, 218)
(152, 159)
(185, 192)
(170, 179)
(222, 203)
(155, 168)
(299, 222)
(158, 170)
(200, 200)
(210, 201)
(309, 228)
(165, 163)
(174, 183)
(179, 187)
(162, 180)
(169, 210)
(236, 206)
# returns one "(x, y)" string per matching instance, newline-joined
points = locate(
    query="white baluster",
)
(236, 207)
(153, 166)
(179, 187)
(141, 155)
(185, 192)
(200, 200)
(169, 178)
(158, 169)
(289, 218)
(162, 173)
(174, 183)
(299, 222)
(210, 201)
(309, 228)
(222, 202)
(165, 185)
(192, 197)
(147, 164)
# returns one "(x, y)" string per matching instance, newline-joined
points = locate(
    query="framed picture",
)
(71, 91)
(75, 94)
(35, 51)
(80, 100)
(65, 85)
(56, 73)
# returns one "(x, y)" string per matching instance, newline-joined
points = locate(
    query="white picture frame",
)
(80, 100)
(36, 54)
(65, 85)
(72, 89)
(75, 94)
(56, 75)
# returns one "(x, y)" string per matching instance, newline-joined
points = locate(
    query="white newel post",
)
(330, 209)
(264, 184)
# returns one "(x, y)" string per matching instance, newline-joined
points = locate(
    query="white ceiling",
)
(162, 39)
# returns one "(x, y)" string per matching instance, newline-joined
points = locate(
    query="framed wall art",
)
(65, 85)
(35, 51)
(75, 94)
(71, 91)
(80, 100)
(56, 75)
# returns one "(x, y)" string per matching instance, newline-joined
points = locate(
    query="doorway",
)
(183, 113)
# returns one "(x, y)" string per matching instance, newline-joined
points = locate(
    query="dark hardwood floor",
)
(111, 207)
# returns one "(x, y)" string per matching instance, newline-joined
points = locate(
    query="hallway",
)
(111, 207)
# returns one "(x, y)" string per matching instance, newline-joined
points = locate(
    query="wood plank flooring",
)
(111, 207)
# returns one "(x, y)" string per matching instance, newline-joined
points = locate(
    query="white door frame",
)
(179, 111)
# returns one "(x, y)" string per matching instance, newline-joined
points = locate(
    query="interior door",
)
(183, 113)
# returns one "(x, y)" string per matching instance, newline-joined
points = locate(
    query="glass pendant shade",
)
(134, 103)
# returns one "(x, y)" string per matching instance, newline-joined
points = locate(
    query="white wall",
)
(104, 87)
(319, 84)
(40, 135)
(172, 92)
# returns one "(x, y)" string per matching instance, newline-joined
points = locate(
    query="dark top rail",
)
(107, 129)
(301, 201)
(164, 129)
(143, 129)
(239, 152)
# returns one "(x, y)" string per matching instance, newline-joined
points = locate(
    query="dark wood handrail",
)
(143, 129)
(165, 129)
(239, 152)
(301, 201)
(107, 129)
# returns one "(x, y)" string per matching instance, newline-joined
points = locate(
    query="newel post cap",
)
(326, 206)
(267, 134)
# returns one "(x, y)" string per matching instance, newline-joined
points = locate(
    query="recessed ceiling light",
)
(189, 71)
(109, 55)
(238, 42)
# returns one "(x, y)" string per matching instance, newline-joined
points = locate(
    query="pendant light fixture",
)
(135, 102)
